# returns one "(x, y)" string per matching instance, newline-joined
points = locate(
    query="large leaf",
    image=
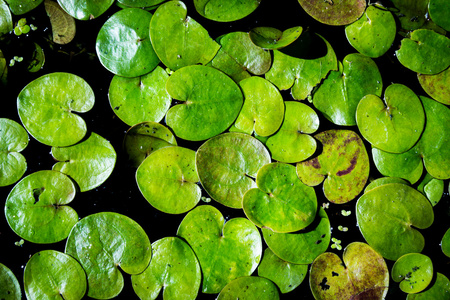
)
(414, 271)
(412, 14)
(248, 288)
(9, 285)
(63, 25)
(140, 3)
(6, 24)
(225, 10)
(439, 11)
(437, 86)
(438, 291)
(272, 38)
(334, 12)
(85, 9)
(20, 7)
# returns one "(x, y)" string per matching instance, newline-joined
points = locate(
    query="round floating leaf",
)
(412, 14)
(300, 74)
(339, 94)
(440, 290)
(144, 138)
(51, 274)
(292, 143)
(208, 109)
(414, 271)
(173, 267)
(395, 125)
(225, 251)
(439, 11)
(281, 202)
(437, 86)
(250, 287)
(46, 107)
(36, 207)
(334, 12)
(263, 109)
(140, 3)
(432, 188)
(89, 163)
(388, 217)
(226, 165)
(101, 243)
(362, 275)
(167, 179)
(382, 181)
(372, 34)
(13, 139)
(271, 38)
(345, 163)
(140, 99)
(9, 285)
(63, 25)
(123, 43)
(20, 7)
(6, 24)
(37, 60)
(304, 246)
(238, 56)
(425, 52)
(445, 244)
(225, 10)
(285, 275)
(178, 40)
(85, 9)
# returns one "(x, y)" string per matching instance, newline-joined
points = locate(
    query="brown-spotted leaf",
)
(334, 12)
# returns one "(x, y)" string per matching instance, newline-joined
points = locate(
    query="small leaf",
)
(63, 25)
(334, 12)
(271, 38)
(414, 271)
(225, 10)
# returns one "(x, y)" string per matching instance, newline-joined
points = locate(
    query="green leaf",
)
(101, 243)
(140, 99)
(439, 11)
(411, 13)
(445, 244)
(292, 143)
(395, 125)
(226, 165)
(6, 24)
(388, 217)
(46, 107)
(334, 12)
(437, 86)
(285, 275)
(13, 139)
(86, 9)
(271, 38)
(304, 246)
(281, 202)
(173, 268)
(50, 274)
(382, 181)
(140, 3)
(225, 10)
(20, 7)
(362, 275)
(89, 163)
(249, 287)
(37, 60)
(344, 162)
(432, 188)
(339, 94)
(9, 285)
(36, 209)
(208, 109)
(167, 179)
(225, 251)
(63, 25)
(414, 271)
(438, 291)
(3, 69)
(179, 40)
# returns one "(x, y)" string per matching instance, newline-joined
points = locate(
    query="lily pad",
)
(344, 162)
(6, 24)
(140, 99)
(225, 10)
(334, 12)
(271, 38)
(225, 250)
(238, 56)
(50, 274)
(389, 217)
(445, 244)
(439, 11)
(440, 290)
(304, 246)
(372, 34)
(281, 202)
(13, 139)
(227, 164)
(101, 243)
(179, 40)
(63, 25)
(20, 7)
(382, 181)
(425, 52)
(46, 107)
(89, 163)
(285, 275)
(249, 287)
(395, 125)
(362, 275)
(167, 179)
(36, 209)
(437, 86)
(414, 271)
(85, 9)
(38, 59)
(9, 285)
(432, 188)
(140, 3)
(339, 94)
(208, 109)
(173, 268)
(301, 75)
(263, 109)
(123, 43)
(412, 14)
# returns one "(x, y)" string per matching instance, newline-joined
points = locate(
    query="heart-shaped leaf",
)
(414, 271)
(362, 275)
(9, 285)
(101, 243)
(173, 268)
(271, 38)
(382, 181)
(250, 287)
(6, 24)
(445, 244)
(437, 86)
(20, 7)
(36, 209)
(439, 11)
(225, 10)
(432, 188)
(438, 291)
(63, 25)
(388, 217)
(225, 251)
(334, 12)
(85, 9)
(51, 100)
